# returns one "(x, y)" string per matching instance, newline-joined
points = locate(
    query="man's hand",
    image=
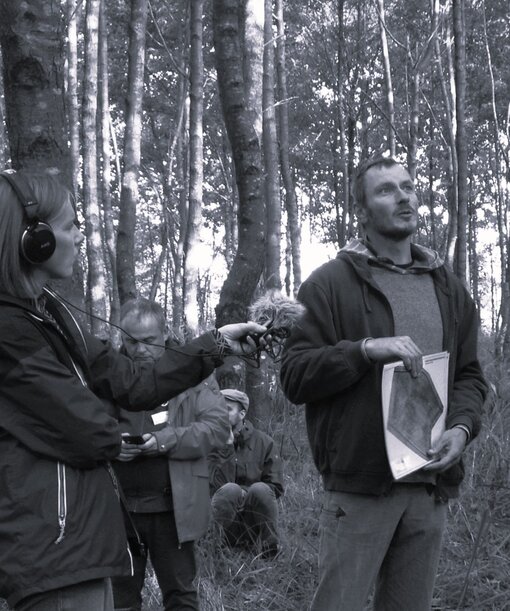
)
(230, 440)
(238, 336)
(447, 451)
(128, 451)
(386, 349)
(150, 447)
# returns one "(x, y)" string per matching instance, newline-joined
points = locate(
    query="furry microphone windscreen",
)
(276, 310)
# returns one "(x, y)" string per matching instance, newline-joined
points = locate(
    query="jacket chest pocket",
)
(248, 472)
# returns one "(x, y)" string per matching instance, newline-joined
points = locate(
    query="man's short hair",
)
(238, 396)
(358, 186)
(140, 307)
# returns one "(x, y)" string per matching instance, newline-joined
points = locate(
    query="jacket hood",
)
(424, 259)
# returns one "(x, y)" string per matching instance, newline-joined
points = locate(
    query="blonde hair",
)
(16, 274)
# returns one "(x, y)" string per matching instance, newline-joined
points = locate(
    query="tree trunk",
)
(238, 289)
(106, 183)
(387, 79)
(502, 338)
(450, 120)
(342, 193)
(182, 205)
(73, 111)
(132, 153)
(431, 202)
(251, 29)
(31, 35)
(291, 205)
(4, 143)
(230, 202)
(461, 141)
(414, 120)
(96, 284)
(272, 186)
(33, 79)
(174, 187)
(473, 255)
(417, 67)
(192, 242)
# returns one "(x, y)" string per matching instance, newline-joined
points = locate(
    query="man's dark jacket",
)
(253, 458)
(60, 518)
(323, 366)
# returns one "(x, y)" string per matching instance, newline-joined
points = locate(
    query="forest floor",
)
(474, 572)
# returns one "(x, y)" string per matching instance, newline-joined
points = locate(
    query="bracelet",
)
(364, 350)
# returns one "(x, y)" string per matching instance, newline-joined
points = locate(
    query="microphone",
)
(278, 313)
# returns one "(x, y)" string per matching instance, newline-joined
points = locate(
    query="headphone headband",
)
(20, 186)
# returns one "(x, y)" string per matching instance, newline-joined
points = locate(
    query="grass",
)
(231, 580)
(237, 581)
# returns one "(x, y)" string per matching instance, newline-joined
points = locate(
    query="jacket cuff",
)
(465, 429)
(355, 357)
(166, 440)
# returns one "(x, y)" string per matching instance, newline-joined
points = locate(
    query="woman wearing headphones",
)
(61, 530)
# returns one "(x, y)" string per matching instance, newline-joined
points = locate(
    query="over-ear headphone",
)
(37, 242)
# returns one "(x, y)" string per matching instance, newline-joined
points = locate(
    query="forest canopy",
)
(212, 144)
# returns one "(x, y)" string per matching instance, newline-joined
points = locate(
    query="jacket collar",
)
(28, 305)
(49, 309)
(424, 259)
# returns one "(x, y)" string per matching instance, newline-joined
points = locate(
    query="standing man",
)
(382, 299)
(246, 479)
(164, 473)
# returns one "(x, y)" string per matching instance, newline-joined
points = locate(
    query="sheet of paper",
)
(414, 412)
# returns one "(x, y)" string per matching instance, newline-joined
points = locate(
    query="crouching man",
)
(246, 479)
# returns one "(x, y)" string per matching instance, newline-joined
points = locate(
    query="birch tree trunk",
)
(30, 35)
(388, 84)
(73, 112)
(192, 242)
(417, 67)
(96, 284)
(460, 141)
(291, 205)
(34, 96)
(342, 190)
(272, 185)
(244, 274)
(448, 93)
(106, 183)
(182, 207)
(4, 149)
(239, 287)
(251, 28)
(502, 339)
(132, 146)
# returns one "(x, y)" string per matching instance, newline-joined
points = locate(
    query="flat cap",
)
(236, 395)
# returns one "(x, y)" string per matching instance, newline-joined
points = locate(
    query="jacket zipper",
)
(61, 468)
(62, 501)
(116, 487)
